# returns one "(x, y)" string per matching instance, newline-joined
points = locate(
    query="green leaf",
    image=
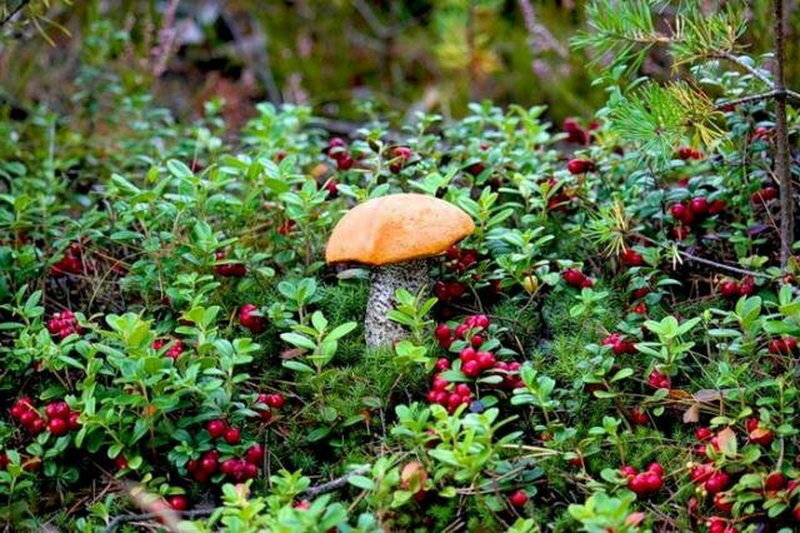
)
(299, 340)
(361, 482)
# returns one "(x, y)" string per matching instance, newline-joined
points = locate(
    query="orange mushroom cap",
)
(396, 228)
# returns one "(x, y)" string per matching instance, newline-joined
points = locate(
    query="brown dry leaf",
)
(413, 476)
(692, 414)
(708, 395)
(726, 440)
(293, 353)
(679, 394)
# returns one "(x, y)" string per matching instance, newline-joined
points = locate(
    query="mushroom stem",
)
(385, 280)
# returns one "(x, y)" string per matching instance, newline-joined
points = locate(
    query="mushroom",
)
(395, 234)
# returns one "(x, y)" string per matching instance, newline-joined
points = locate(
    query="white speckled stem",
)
(385, 280)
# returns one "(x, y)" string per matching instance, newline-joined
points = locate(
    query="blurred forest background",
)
(349, 59)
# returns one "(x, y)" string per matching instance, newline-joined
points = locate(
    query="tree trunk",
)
(782, 160)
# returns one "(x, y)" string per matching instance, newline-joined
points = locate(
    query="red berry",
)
(229, 466)
(476, 341)
(249, 470)
(121, 462)
(698, 206)
(519, 498)
(208, 464)
(178, 502)
(751, 423)
(631, 258)
(485, 360)
(4, 460)
(250, 320)
(233, 436)
(790, 343)
(467, 354)
(73, 421)
(656, 468)
(718, 482)
(216, 428)
(628, 471)
(58, 427)
(481, 321)
(573, 277)
(777, 347)
(761, 436)
(276, 401)
(27, 418)
(254, 454)
(638, 417)
(471, 369)
(775, 481)
(680, 212)
(703, 433)
(729, 289)
(442, 364)
(717, 207)
(580, 166)
(442, 332)
(701, 473)
(640, 484)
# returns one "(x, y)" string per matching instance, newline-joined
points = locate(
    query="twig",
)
(14, 11)
(755, 72)
(336, 483)
(747, 99)
(125, 518)
(722, 266)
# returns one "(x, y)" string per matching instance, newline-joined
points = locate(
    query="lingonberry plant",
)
(612, 347)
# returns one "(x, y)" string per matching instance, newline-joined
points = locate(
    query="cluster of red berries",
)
(708, 479)
(659, 380)
(687, 152)
(696, 209)
(577, 134)
(733, 289)
(581, 166)
(576, 278)
(645, 482)
(448, 291)
(219, 429)
(619, 345)
(239, 469)
(764, 195)
(446, 336)
(60, 418)
(399, 157)
(250, 319)
(228, 270)
(265, 403)
(631, 257)
(786, 345)
(175, 350)
(460, 260)
(337, 150)
(71, 263)
(446, 394)
(64, 324)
